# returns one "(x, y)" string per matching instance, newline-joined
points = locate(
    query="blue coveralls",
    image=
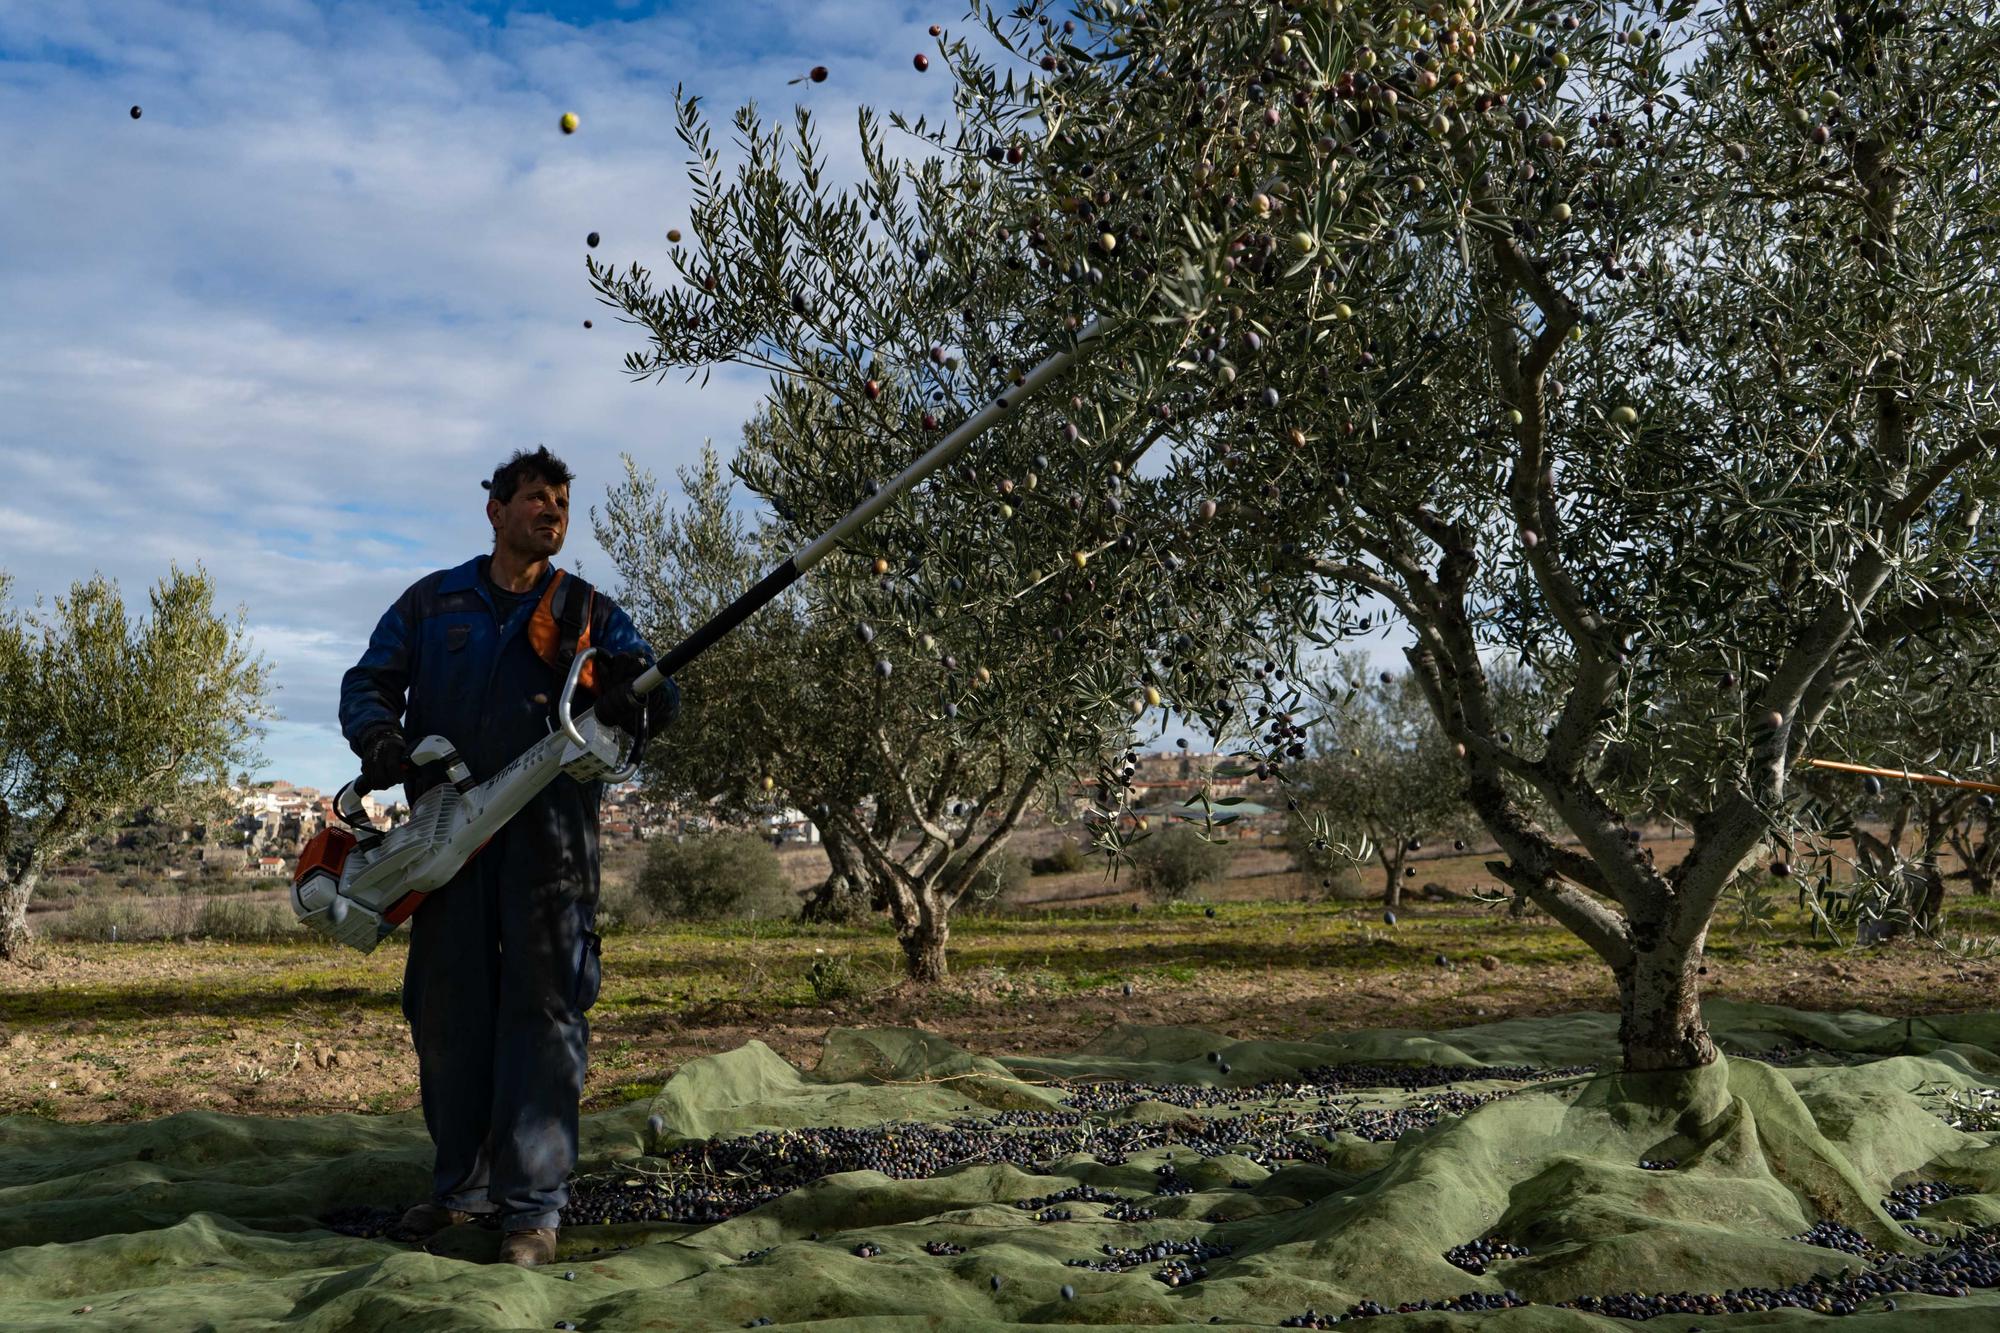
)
(504, 960)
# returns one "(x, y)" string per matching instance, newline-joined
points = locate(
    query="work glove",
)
(617, 705)
(385, 755)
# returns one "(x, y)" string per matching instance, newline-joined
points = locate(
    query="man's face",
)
(535, 521)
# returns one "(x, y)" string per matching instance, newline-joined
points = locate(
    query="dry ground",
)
(125, 1031)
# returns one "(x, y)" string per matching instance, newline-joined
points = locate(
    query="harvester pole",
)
(1899, 774)
(811, 554)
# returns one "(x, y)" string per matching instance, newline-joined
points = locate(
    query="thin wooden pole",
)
(1904, 775)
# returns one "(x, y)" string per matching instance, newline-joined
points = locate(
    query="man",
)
(503, 959)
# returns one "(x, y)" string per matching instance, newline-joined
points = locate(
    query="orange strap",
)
(554, 614)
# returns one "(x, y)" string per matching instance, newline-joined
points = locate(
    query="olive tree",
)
(102, 713)
(1650, 344)
(809, 704)
(1971, 838)
(1646, 345)
(1379, 775)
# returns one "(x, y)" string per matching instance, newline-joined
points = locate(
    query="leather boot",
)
(427, 1219)
(529, 1249)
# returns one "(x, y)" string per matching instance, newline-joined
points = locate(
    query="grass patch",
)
(1020, 980)
(627, 1093)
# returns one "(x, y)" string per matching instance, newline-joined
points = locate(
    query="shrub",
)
(65, 890)
(1066, 859)
(1171, 864)
(621, 908)
(94, 920)
(833, 977)
(728, 874)
(1340, 884)
(251, 922)
(181, 917)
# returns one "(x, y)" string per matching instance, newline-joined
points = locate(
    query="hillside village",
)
(273, 820)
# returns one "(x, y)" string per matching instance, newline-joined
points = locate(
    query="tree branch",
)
(898, 781)
(1730, 833)
(1559, 313)
(941, 788)
(998, 837)
(1907, 508)
(1916, 617)
(1589, 920)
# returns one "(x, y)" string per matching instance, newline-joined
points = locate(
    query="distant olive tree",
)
(917, 765)
(1378, 771)
(1171, 865)
(102, 714)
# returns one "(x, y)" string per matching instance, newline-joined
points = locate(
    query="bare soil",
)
(128, 1031)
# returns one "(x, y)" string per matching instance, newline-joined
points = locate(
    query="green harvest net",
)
(1169, 1176)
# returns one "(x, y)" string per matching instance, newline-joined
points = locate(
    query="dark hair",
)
(507, 478)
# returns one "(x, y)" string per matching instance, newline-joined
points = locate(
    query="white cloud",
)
(283, 324)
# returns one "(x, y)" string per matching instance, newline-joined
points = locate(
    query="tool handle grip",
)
(360, 785)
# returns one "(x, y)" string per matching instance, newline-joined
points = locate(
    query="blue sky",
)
(284, 323)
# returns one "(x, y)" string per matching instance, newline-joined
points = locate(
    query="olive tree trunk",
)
(923, 884)
(923, 938)
(15, 893)
(847, 893)
(1392, 870)
(1659, 1010)
(1980, 857)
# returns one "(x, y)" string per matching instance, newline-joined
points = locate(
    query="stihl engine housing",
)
(355, 885)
